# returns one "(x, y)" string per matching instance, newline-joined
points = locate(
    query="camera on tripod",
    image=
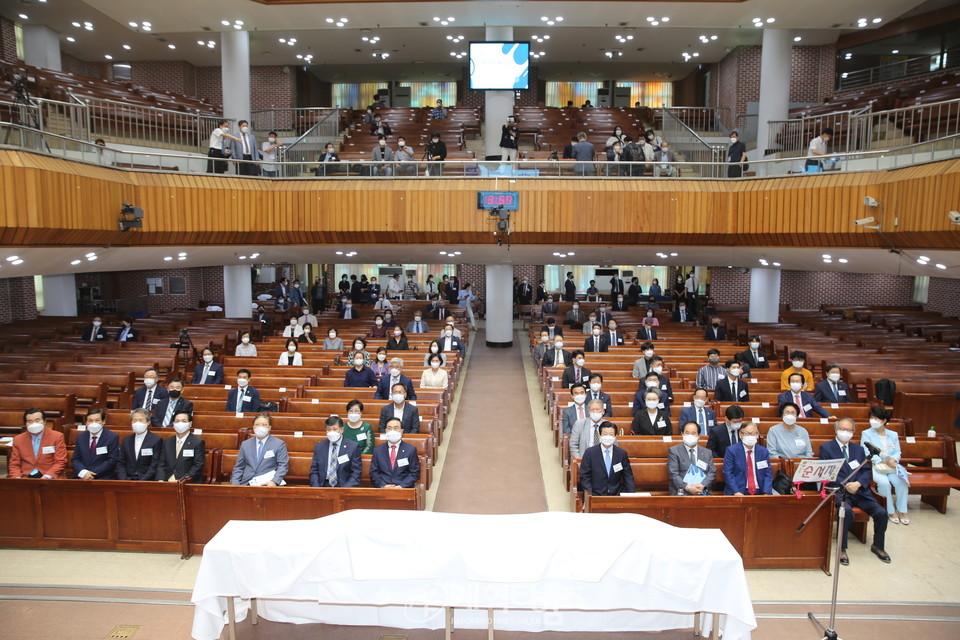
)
(183, 341)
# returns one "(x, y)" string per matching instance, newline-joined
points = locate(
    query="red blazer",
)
(22, 460)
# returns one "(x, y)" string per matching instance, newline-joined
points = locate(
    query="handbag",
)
(782, 484)
(884, 468)
(269, 406)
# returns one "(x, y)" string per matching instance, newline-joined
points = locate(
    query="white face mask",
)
(735, 425)
(307, 330)
(416, 319)
(833, 377)
(208, 358)
(393, 436)
(435, 364)
(139, 427)
(789, 419)
(291, 348)
(401, 144)
(580, 362)
(608, 440)
(690, 440)
(37, 428)
(596, 332)
(353, 418)
(245, 340)
(876, 423)
(261, 432)
(242, 382)
(245, 129)
(95, 427)
(381, 357)
(595, 387)
(558, 345)
(651, 384)
(733, 140)
(395, 372)
(448, 332)
(358, 362)
(699, 403)
(149, 382)
(358, 347)
(734, 372)
(648, 353)
(657, 370)
(754, 345)
(798, 364)
(593, 318)
(579, 398)
(749, 441)
(796, 386)
(225, 129)
(652, 404)
(596, 416)
(382, 143)
(649, 314)
(333, 436)
(272, 139)
(378, 322)
(544, 338)
(293, 322)
(398, 398)
(575, 307)
(844, 436)
(181, 427)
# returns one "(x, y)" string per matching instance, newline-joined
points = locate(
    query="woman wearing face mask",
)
(436, 153)
(436, 376)
(357, 429)
(655, 289)
(651, 420)
(398, 340)
(246, 349)
(293, 329)
(615, 138)
(433, 349)
(378, 330)
(381, 364)
(308, 336)
(359, 375)
(333, 341)
(888, 474)
(291, 357)
(788, 439)
(389, 321)
(359, 348)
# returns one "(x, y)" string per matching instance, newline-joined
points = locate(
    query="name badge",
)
(709, 423)
(227, 387)
(343, 459)
(834, 405)
(156, 401)
(661, 423)
(187, 453)
(854, 464)
(753, 380)
(315, 401)
(702, 465)
(761, 359)
(81, 427)
(842, 392)
(198, 432)
(660, 406)
(282, 389)
(238, 414)
(101, 451)
(663, 387)
(211, 373)
(617, 468)
(762, 464)
(246, 398)
(765, 405)
(361, 436)
(824, 420)
(800, 442)
(298, 434)
(807, 407)
(402, 462)
(911, 440)
(148, 451)
(743, 392)
(270, 453)
(49, 450)
(755, 420)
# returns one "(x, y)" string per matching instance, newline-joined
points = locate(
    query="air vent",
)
(422, 24)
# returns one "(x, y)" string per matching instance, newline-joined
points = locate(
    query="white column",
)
(237, 291)
(764, 295)
(499, 312)
(497, 104)
(775, 62)
(41, 47)
(235, 74)
(60, 295)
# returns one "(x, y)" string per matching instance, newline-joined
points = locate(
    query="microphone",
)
(872, 448)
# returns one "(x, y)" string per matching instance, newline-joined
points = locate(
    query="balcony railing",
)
(890, 71)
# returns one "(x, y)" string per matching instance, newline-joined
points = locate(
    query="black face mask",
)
(716, 325)
(174, 394)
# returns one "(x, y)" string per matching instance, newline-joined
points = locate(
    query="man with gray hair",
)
(857, 487)
(586, 432)
(139, 451)
(584, 154)
(395, 377)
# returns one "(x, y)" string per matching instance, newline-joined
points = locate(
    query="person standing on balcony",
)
(818, 149)
(220, 147)
(270, 149)
(245, 148)
(509, 135)
(736, 156)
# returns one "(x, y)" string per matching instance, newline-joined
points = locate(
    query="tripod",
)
(26, 114)
(184, 346)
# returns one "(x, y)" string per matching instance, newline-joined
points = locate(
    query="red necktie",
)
(393, 456)
(580, 411)
(796, 398)
(751, 475)
(93, 445)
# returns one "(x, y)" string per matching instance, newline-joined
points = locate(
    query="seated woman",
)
(292, 357)
(435, 377)
(293, 330)
(886, 466)
(788, 439)
(651, 318)
(359, 347)
(308, 336)
(388, 320)
(652, 304)
(357, 429)
(359, 375)
(398, 341)
(380, 365)
(432, 349)
(379, 329)
(245, 349)
(333, 341)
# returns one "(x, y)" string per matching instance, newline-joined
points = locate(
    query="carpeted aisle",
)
(492, 464)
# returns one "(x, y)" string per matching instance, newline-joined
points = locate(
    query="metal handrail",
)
(303, 145)
(685, 140)
(888, 71)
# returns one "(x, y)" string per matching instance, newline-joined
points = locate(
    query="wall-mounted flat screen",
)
(499, 65)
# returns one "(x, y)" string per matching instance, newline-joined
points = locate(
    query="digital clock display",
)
(508, 200)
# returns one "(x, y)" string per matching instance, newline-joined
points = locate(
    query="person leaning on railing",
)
(219, 147)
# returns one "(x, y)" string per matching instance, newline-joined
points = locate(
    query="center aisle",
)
(492, 464)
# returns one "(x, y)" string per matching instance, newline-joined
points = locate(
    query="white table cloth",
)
(541, 571)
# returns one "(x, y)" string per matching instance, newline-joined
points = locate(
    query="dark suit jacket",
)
(353, 312)
(156, 418)
(348, 473)
(101, 334)
(719, 439)
(643, 426)
(831, 451)
(823, 392)
(550, 357)
(131, 467)
(188, 464)
(557, 330)
(603, 319)
(569, 290)
(616, 286)
(398, 345)
(410, 421)
(297, 297)
(132, 335)
(689, 414)
(569, 377)
(249, 406)
(642, 334)
(747, 357)
(103, 464)
(356, 292)
(406, 476)
(690, 316)
(678, 463)
(593, 472)
(456, 344)
(541, 294)
(159, 394)
(596, 344)
(280, 291)
(620, 306)
(618, 342)
(605, 398)
(383, 387)
(215, 368)
(735, 470)
(805, 400)
(723, 393)
(721, 333)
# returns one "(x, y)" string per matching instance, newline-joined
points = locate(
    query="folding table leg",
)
(448, 626)
(231, 619)
(253, 611)
(489, 624)
(696, 624)
(716, 627)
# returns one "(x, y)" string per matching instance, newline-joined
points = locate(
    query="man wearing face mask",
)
(655, 379)
(395, 464)
(682, 314)
(162, 415)
(727, 433)
(642, 365)
(359, 375)
(754, 356)
(575, 317)
(715, 331)
(139, 451)
(418, 325)
(395, 377)
(306, 317)
(436, 152)
(95, 332)
(576, 373)
(595, 392)
(797, 360)
(329, 161)
(647, 331)
(833, 389)
(336, 460)
(857, 486)
(382, 153)
(699, 412)
(244, 398)
(208, 371)
(732, 388)
(712, 372)
(406, 413)
(808, 406)
(404, 155)
(620, 303)
(96, 449)
(450, 342)
(245, 148)
(746, 465)
(689, 466)
(220, 147)
(665, 158)
(557, 356)
(183, 453)
(349, 311)
(605, 469)
(262, 460)
(736, 156)
(577, 409)
(151, 394)
(597, 342)
(37, 452)
(550, 307)
(269, 151)
(541, 348)
(586, 433)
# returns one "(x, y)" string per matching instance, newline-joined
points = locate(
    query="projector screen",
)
(499, 65)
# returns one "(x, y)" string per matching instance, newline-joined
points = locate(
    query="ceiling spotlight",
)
(254, 255)
(182, 253)
(870, 202)
(827, 260)
(23, 16)
(797, 38)
(71, 39)
(443, 253)
(17, 262)
(171, 46)
(613, 53)
(843, 261)
(339, 253)
(182, 258)
(77, 24)
(91, 258)
(12, 258)
(877, 20)
(776, 264)
(168, 258)
(941, 266)
(127, 47)
(74, 262)
(88, 26)
(895, 51)
(825, 256)
(108, 56)
(923, 259)
(771, 20)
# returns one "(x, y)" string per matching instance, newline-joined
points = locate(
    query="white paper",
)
(765, 405)
(315, 401)
(298, 434)
(269, 453)
(101, 451)
(911, 440)
(198, 432)
(755, 420)
(824, 420)
(685, 404)
(43, 450)
(402, 462)
(262, 479)
(753, 380)
(668, 438)
(227, 387)
(282, 389)
(81, 427)
(834, 405)
(238, 414)
(187, 453)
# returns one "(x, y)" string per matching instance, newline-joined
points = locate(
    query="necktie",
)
(417, 330)
(796, 399)
(246, 146)
(240, 403)
(577, 369)
(36, 445)
(613, 338)
(171, 407)
(836, 392)
(701, 421)
(206, 370)
(393, 456)
(93, 334)
(683, 316)
(733, 389)
(580, 411)
(606, 460)
(93, 445)
(180, 442)
(649, 334)
(596, 344)
(751, 476)
(259, 451)
(148, 401)
(733, 436)
(332, 466)
(756, 361)
(596, 434)
(846, 455)
(693, 457)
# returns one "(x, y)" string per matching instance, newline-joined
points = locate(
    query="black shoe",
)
(844, 560)
(880, 553)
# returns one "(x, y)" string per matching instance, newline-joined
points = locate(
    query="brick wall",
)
(812, 73)
(269, 86)
(8, 40)
(476, 275)
(202, 284)
(208, 84)
(944, 296)
(177, 77)
(77, 66)
(18, 299)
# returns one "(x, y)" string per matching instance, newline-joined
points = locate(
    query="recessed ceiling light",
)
(843, 261)
(71, 39)
(825, 256)
(877, 20)
(895, 51)
(108, 56)
(443, 253)
(12, 258)
(569, 253)
(771, 20)
(797, 38)
(924, 258)
(92, 253)
(171, 46)
(941, 266)
(77, 24)
(182, 254)
(254, 255)
(23, 16)
(88, 26)
(339, 253)
(74, 262)
(133, 24)
(182, 258)
(776, 264)
(168, 258)
(127, 47)
(91, 258)
(243, 257)
(827, 260)
(674, 255)
(16, 262)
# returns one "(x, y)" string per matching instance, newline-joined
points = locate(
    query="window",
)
(178, 285)
(921, 289)
(38, 288)
(122, 72)
(18, 37)
(155, 286)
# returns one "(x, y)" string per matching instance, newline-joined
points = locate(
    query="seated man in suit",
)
(407, 413)
(746, 465)
(167, 408)
(603, 316)
(576, 411)
(715, 331)
(151, 393)
(651, 420)
(575, 317)
(139, 451)
(597, 342)
(96, 449)
(452, 321)
(590, 324)
(613, 335)
(183, 454)
(605, 469)
(726, 433)
(620, 304)
(576, 372)
(732, 388)
(243, 398)
(682, 314)
(595, 392)
(208, 371)
(387, 382)
(437, 309)
(808, 406)
(797, 360)
(417, 325)
(680, 459)
(336, 460)
(699, 412)
(348, 312)
(549, 307)
(557, 357)
(586, 433)
(641, 366)
(647, 332)
(857, 486)
(552, 328)
(95, 332)
(126, 333)
(754, 356)
(833, 389)
(541, 348)
(37, 452)
(262, 460)
(395, 464)
(449, 341)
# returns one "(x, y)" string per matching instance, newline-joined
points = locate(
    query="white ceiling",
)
(587, 29)
(50, 261)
